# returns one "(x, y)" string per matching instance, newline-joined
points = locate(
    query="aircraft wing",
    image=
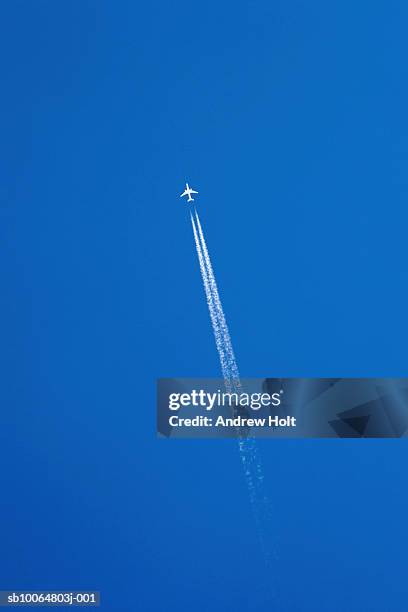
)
(185, 192)
(192, 191)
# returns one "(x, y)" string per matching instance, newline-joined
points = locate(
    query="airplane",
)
(188, 191)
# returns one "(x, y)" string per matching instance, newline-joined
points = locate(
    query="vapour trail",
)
(211, 305)
(247, 446)
(234, 373)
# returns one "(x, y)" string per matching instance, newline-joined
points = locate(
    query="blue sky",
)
(290, 120)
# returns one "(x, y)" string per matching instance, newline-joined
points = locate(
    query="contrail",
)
(234, 373)
(247, 446)
(211, 306)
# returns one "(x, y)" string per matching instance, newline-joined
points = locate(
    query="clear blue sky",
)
(290, 118)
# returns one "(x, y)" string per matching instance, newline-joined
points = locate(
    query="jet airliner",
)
(187, 192)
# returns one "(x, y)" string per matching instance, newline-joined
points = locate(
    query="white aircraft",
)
(188, 191)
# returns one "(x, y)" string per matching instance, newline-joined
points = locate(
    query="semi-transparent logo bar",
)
(282, 408)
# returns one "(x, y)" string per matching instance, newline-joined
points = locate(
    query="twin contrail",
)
(247, 446)
(211, 304)
(232, 364)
